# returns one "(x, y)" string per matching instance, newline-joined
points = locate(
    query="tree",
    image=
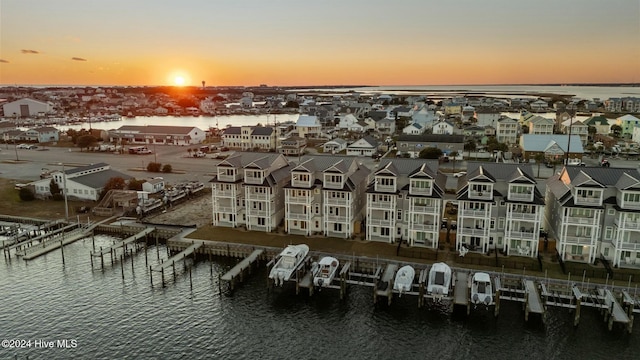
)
(592, 131)
(135, 184)
(525, 129)
(430, 153)
(616, 130)
(189, 150)
(26, 194)
(470, 146)
(539, 158)
(54, 189)
(292, 104)
(154, 167)
(114, 183)
(167, 168)
(86, 141)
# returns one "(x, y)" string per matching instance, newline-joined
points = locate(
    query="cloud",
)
(26, 51)
(78, 59)
(4, 61)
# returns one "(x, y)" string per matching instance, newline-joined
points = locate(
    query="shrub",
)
(154, 167)
(26, 194)
(167, 168)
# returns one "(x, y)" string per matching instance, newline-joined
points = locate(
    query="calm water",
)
(115, 319)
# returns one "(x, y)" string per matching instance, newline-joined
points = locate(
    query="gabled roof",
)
(232, 130)
(423, 171)
(307, 165)
(158, 129)
(262, 163)
(627, 181)
(501, 171)
(584, 180)
(433, 138)
(98, 180)
(406, 167)
(541, 142)
(480, 174)
(519, 176)
(602, 175)
(388, 169)
(262, 130)
(307, 120)
(597, 120)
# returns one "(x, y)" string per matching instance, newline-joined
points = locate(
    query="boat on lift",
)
(288, 261)
(481, 289)
(439, 281)
(325, 271)
(404, 279)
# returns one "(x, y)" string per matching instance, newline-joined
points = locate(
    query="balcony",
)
(388, 222)
(256, 212)
(420, 191)
(520, 197)
(224, 209)
(385, 188)
(258, 196)
(631, 205)
(256, 180)
(337, 218)
(425, 209)
(523, 216)
(425, 226)
(627, 224)
(472, 232)
(592, 201)
(579, 220)
(303, 200)
(301, 184)
(298, 216)
(332, 185)
(386, 205)
(475, 213)
(482, 195)
(225, 193)
(338, 201)
(228, 178)
(577, 240)
(526, 235)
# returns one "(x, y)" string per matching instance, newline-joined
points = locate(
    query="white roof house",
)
(553, 146)
(334, 146)
(366, 146)
(308, 126)
(347, 121)
(413, 129)
(26, 107)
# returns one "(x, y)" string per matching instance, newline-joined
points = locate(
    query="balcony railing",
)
(472, 232)
(475, 213)
(256, 212)
(520, 197)
(484, 195)
(577, 240)
(420, 191)
(337, 201)
(332, 185)
(631, 205)
(337, 218)
(224, 209)
(301, 184)
(258, 196)
(298, 216)
(258, 180)
(523, 235)
(225, 193)
(388, 205)
(587, 200)
(523, 216)
(299, 200)
(425, 209)
(385, 188)
(387, 222)
(627, 224)
(228, 178)
(579, 220)
(423, 226)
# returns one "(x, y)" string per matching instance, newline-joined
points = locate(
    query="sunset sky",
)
(331, 42)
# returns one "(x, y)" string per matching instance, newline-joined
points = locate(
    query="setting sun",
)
(178, 80)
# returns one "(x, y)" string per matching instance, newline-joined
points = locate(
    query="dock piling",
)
(122, 265)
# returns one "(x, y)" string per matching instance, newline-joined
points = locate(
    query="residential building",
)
(250, 138)
(487, 117)
(413, 129)
(443, 128)
(334, 146)
(541, 125)
(507, 130)
(413, 144)
(499, 207)
(386, 126)
(601, 123)
(627, 123)
(248, 191)
(404, 201)
(539, 105)
(325, 194)
(293, 146)
(308, 126)
(593, 212)
(576, 127)
(554, 147)
(366, 146)
(26, 107)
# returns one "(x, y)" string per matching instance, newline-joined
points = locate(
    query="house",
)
(413, 129)
(84, 182)
(541, 125)
(293, 146)
(593, 212)
(554, 147)
(334, 146)
(576, 127)
(627, 123)
(157, 134)
(43, 134)
(366, 146)
(153, 186)
(404, 202)
(386, 126)
(247, 191)
(413, 144)
(443, 128)
(26, 108)
(507, 130)
(250, 138)
(499, 207)
(474, 131)
(308, 126)
(487, 117)
(325, 194)
(601, 123)
(539, 105)
(347, 121)
(359, 127)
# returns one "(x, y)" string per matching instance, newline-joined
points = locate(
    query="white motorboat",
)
(325, 271)
(404, 279)
(439, 280)
(288, 262)
(481, 289)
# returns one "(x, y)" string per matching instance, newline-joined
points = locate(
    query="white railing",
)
(424, 209)
(225, 193)
(523, 216)
(387, 205)
(385, 188)
(419, 191)
(628, 246)
(627, 224)
(337, 201)
(472, 232)
(487, 195)
(253, 180)
(474, 213)
(299, 200)
(337, 218)
(297, 216)
(522, 235)
(579, 220)
(302, 184)
(587, 200)
(423, 226)
(332, 185)
(228, 178)
(258, 196)
(521, 197)
(224, 209)
(632, 205)
(380, 222)
(256, 212)
(575, 240)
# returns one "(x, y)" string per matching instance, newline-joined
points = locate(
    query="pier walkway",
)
(170, 262)
(122, 244)
(241, 266)
(51, 243)
(461, 289)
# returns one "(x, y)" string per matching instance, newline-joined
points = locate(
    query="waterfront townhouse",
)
(404, 201)
(595, 211)
(499, 207)
(250, 137)
(601, 123)
(308, 126)
(507, 130)
(247, 190)
(325, 195)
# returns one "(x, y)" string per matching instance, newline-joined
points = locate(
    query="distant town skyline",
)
(304, 43)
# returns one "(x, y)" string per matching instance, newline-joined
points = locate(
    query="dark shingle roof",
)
(99, 179)
(435, 138)
(603, 175)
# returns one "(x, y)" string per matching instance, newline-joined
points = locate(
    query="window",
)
(608, 232)
(262, 222)
(384, 231)
(493, 223)
(611, 211)
(500, 223)
(400, 214)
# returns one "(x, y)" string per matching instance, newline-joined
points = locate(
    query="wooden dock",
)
(384, 286)
(112, 250)
(55, 242)
(237, 272)
(461, 290)
(171, 262)
(533, 304)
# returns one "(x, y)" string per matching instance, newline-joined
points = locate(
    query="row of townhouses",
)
(591, 212)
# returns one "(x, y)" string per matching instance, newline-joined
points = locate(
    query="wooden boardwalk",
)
(180, 256)
(534, 305)
(52, 243)
(461, 289)
(241, 266)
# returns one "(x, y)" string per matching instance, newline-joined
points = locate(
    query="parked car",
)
(460, 174)
(22, 146)
(198, 154)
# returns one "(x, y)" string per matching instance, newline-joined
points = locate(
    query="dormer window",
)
(421, 187)
(385, 184)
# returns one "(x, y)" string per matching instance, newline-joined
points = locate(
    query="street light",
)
(64, 184)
